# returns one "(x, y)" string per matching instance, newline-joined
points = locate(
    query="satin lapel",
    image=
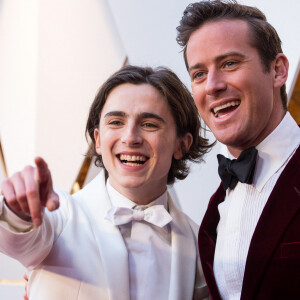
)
(282, 205)
(207, 240)
(183, 261)
(110, 242)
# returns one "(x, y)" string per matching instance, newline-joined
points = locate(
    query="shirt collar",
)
(118, 200)
(275, 150)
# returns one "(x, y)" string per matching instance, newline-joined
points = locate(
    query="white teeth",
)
(228, 104)
(131, 164)
(132, 158)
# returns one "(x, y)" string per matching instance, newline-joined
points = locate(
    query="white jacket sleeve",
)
(26, 243)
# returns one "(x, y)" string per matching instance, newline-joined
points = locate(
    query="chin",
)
(229, 139)
(131, 183)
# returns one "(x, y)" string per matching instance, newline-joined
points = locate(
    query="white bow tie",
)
(156, 214)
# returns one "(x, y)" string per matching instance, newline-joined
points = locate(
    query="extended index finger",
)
(33, 195)
(43, 172)
(48, 197)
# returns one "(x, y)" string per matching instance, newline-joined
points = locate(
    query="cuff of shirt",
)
(12, 221)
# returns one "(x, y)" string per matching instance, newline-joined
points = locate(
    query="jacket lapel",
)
(113, 252)
(207, 240)
(282, 205)
(183, 261)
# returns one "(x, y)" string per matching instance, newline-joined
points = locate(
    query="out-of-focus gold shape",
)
(12, 282)
(294, 104)
(78, 184)
(2, 161)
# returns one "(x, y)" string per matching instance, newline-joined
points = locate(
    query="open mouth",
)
(225, 109)
(132, 160)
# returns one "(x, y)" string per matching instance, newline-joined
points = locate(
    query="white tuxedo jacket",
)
(77, 254)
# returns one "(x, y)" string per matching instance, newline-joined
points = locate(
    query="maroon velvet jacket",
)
(272, 268)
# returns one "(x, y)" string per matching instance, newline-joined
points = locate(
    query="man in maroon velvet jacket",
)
(249, 239)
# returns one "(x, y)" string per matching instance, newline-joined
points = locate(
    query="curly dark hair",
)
(263, 36)
(180, 101)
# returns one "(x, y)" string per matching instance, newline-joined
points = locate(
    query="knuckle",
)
(13, 203)
(11, 200)
(31, 193)
(5, 183)
(22, 198)
(28, 170)
(16, 176)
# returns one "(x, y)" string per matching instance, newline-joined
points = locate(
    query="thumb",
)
(52, 201)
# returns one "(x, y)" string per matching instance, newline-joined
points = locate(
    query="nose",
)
(131, 136)
(215, 83)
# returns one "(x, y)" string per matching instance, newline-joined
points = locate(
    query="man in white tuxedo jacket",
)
(82, 255)
(75, 249)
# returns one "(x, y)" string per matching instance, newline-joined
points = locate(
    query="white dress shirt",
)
(149, 251)
(242, 207)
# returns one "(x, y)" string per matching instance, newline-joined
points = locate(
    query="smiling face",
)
(237, 99)
(137, 140)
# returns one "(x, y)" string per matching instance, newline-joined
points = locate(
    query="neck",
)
(141, 195)
(236, 150)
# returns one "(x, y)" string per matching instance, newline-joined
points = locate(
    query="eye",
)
(198, 75)
(230, 64)
(115, 123)
(149, 125)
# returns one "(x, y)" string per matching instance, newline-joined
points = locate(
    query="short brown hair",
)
(181, 105)
(264, 37)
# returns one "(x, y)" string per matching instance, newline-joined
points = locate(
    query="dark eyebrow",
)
(144, 115)
(225, 55)
(147, 115)
(196, 66)
(217, 59)
(115, 113)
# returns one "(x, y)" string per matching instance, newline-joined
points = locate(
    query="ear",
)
(97, 141)
(183, 145)
(281, 68)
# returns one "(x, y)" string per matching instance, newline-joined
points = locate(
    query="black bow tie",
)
(240, 169)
